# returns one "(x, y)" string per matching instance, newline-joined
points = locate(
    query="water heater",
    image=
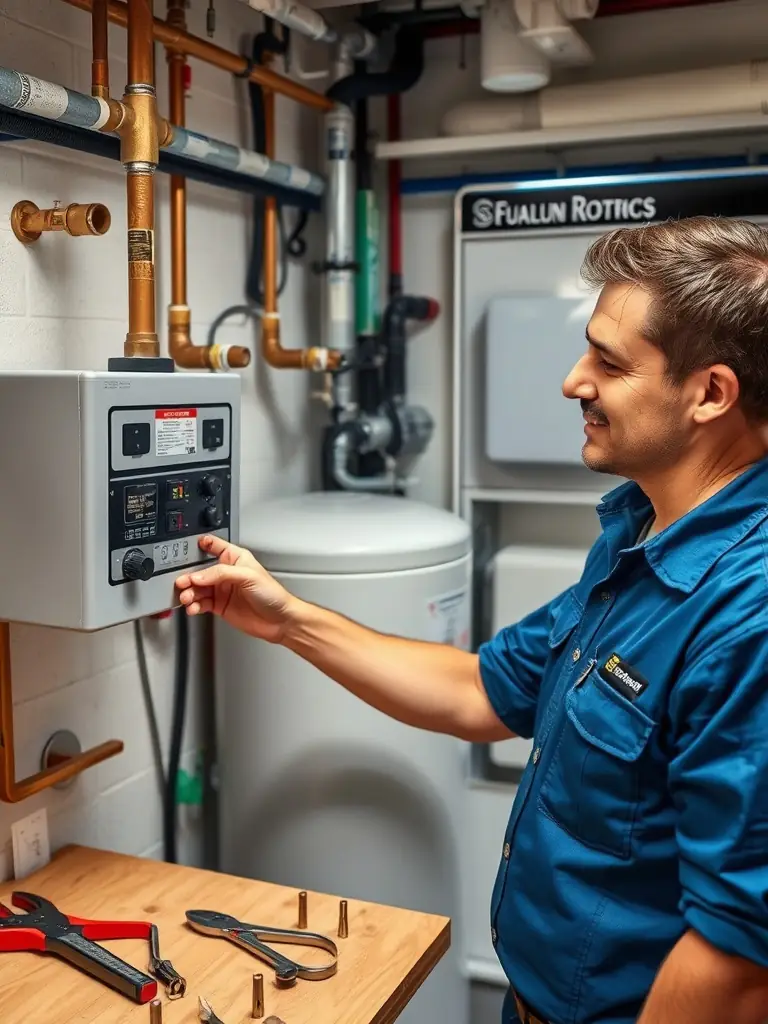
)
(111, 480)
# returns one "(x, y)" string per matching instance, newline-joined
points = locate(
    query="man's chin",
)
(596, 460)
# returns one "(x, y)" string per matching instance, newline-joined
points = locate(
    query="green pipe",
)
(367, 312)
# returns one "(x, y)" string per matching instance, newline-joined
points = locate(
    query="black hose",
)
(405, 69)
(180, 689)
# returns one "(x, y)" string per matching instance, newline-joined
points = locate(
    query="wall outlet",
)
(31, 845)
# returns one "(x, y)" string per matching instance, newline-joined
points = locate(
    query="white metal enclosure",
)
(318, 790)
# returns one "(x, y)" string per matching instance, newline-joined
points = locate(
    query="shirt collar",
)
(682, 554)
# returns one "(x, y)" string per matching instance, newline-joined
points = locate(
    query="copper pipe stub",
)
(28, 221)
(257, 1007)
(302, 909)
(155, 1012)
(343, 920)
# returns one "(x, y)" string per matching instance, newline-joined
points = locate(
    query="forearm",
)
(430, 686)
(698, 984)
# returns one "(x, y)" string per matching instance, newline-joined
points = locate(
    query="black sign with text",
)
(496, 211)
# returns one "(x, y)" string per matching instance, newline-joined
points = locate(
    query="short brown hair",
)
(708, 278)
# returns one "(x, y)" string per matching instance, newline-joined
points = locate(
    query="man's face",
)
(635, 419)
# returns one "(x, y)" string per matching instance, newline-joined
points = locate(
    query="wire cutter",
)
(254, 937)
(44, 929)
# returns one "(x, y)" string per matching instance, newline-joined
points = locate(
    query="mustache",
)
(593, 410)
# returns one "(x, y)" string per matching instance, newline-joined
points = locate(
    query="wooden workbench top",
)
(383, 962)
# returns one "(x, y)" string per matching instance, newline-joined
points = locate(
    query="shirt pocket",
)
(592, 785)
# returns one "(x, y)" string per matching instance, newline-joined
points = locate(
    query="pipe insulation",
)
(30, 95)
(733, 89)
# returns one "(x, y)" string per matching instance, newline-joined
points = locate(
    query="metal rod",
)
(155, 1012)
(193, 46)
(257, 1007)
(302, 909)
(343, 920)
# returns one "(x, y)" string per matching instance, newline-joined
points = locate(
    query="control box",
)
(111, 479)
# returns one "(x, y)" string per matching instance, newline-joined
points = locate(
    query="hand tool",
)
(205, 1012)
(254, 937)
(45, 929)
(164, 970)
(343, 921)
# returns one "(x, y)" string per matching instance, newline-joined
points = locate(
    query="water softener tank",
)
(318, 790)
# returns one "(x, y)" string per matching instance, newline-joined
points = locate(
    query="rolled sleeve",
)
(512, 664)
(719, 782)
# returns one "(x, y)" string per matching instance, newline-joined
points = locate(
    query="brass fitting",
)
(321, 360)
(139, 134)
(189, 356)
(29, 221)
(119, 116)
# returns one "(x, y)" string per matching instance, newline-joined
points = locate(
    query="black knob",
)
(210, 486)
(137, 565)
(212, 517)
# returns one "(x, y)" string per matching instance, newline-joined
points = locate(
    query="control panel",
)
(183, 490)
(117, 476)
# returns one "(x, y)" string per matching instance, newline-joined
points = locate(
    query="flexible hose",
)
(180, 688)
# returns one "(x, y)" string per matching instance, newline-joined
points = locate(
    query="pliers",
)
(254, 937)
(45, 929)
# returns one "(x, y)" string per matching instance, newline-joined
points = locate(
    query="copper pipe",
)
(192, 46)
(29, 221)
(11, 791)
(180, 345)
(100, 49)
(320, 359)
(139, 154)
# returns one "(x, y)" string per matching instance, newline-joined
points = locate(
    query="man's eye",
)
(611, 367)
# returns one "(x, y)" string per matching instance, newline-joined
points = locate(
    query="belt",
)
(524, 1012)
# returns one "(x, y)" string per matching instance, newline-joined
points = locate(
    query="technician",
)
(633, 884)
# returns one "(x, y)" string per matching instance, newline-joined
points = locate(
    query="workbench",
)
(384, 960)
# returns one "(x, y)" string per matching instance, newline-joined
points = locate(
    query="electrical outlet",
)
(31, 846)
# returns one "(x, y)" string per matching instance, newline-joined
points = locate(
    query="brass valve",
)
(29, 221)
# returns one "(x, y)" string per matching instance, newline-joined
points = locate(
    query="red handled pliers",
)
(44, 929)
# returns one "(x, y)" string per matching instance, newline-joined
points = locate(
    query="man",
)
(633, 883)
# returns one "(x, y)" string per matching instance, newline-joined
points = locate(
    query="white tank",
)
(317, 789)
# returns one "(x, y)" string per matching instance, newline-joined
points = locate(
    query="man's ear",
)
(716, 392)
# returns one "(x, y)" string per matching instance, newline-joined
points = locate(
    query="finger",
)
(218, 574)
(191, 594)
(200, 607)
(217, 546)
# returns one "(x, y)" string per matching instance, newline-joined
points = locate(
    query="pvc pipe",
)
(734, 89)
(52, 102)
(297, 17)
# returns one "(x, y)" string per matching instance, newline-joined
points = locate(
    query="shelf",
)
(562, 138)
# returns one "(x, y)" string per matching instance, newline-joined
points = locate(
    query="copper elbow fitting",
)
(321, 360)
(29, 221)
(200, 357)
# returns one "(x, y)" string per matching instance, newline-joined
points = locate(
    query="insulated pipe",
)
(192, 46)
(737, 88)
(180, 346)
(52, 102)
(139, 156)
(314, 358)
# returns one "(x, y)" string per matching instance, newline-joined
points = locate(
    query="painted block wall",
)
(63, 304)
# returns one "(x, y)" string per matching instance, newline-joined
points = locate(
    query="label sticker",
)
(175, 432)
(175, 552)
(623, 678)
(449, 618)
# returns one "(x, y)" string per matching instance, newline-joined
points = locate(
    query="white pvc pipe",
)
(734, 89)
(296, 16)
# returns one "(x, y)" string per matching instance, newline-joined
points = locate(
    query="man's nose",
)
(578, 383)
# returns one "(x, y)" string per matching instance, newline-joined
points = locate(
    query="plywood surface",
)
(387, 956)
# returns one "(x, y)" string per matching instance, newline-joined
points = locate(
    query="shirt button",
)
(506, 851)
(536, 755)
(605, 596)
(493, 936)
(576, 654)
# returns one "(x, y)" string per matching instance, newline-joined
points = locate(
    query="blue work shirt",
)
(643, 810)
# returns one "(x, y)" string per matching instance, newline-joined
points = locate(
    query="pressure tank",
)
(318, 790)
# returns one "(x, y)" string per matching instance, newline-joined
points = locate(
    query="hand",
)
(239, 590)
